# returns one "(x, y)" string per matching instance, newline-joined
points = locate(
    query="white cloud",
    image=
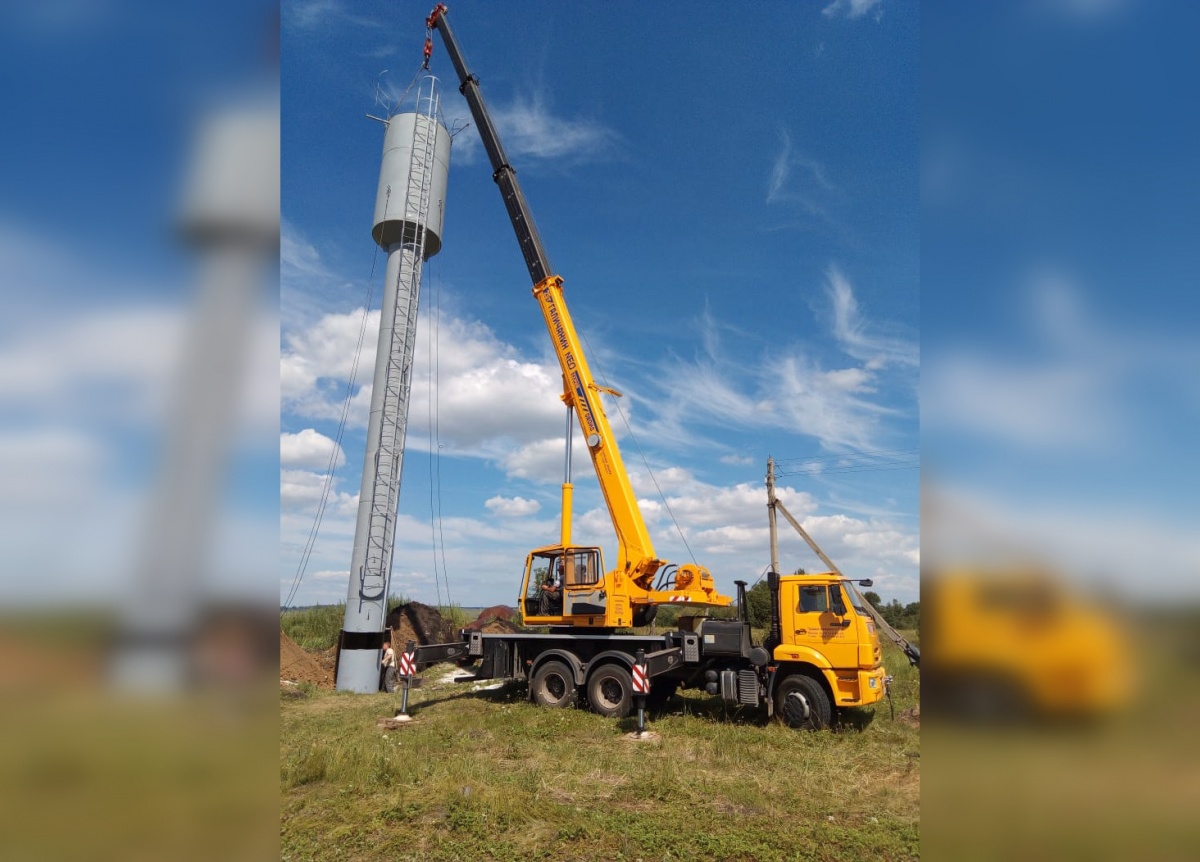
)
(853, 9)
(302, 490)
(113, 364)
(310, 449)
(48, 466)
(1026, 404)
(1084, 537)
(489, 402)
(512, 507)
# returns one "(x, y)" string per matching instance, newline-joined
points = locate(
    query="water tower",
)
(409, 207)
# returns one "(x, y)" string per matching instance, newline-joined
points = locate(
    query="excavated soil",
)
(421, 623)
(297, 665)
(413, 621)
(500, 626)
(497, 618)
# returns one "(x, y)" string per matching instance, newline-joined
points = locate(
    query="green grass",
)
(487, 775)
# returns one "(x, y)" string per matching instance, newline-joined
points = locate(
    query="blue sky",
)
(1059, 259)
(100, 294)
(734, 209)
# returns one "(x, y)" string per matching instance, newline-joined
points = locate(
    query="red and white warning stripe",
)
(408, 665)
(641, 679)
(678, 598)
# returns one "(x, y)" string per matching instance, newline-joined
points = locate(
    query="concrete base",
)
(395, 723)
(648, 736)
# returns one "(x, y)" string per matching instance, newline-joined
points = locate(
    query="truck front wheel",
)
(801, 702)
(553, 685)
(610, 691)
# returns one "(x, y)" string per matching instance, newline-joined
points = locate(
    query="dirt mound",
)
(497, 618)
(421, 623)
(499, 626)
(298, 665)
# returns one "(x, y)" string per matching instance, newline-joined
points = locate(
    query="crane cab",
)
(565, 587)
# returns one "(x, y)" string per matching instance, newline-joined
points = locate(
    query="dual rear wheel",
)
(609, 689)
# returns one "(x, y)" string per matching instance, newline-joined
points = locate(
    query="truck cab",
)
(823, 632)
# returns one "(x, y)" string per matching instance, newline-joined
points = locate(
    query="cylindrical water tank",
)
(391, 225)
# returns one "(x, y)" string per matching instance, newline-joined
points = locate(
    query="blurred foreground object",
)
(231, 217)
(1005, 646)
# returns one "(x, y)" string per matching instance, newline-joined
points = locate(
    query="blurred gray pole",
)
(230, 215)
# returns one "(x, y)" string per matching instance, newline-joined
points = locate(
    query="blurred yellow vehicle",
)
(1015, 645)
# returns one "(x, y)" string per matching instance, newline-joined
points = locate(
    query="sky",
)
(1058, 270)
(735, 213)
(102, 296)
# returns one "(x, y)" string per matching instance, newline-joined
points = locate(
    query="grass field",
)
(486, 775)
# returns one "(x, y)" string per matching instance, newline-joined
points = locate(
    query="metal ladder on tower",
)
(385, 494)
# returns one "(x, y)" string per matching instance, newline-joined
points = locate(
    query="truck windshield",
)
(856, 600)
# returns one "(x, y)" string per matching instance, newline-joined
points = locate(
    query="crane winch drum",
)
(392, 225)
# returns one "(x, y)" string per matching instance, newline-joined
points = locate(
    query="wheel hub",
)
(797, 708)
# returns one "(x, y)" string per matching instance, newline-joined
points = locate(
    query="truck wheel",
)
(801, 702)
(553, 685)
(610, 691)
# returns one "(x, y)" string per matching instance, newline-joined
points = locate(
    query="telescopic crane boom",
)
(628, 594)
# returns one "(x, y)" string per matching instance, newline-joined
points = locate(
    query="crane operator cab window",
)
(551, 573)
(543, 596)
(581, 568)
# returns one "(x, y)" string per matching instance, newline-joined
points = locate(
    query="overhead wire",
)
(855, 462)
(436, 521)
(331, 468)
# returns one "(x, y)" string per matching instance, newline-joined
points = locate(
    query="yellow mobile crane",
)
(821, 654)
(564, 584)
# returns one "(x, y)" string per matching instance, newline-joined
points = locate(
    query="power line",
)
(852, 462)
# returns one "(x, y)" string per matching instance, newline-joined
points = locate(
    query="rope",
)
(400, 101)
(437, 429)
(430, 410)
(331, 469)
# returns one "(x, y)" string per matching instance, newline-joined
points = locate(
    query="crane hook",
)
(430, 23)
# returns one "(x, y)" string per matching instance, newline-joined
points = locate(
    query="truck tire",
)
(553, 685)
(801, 702)
(610, 691)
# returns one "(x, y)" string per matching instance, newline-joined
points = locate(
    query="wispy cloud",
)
(799, 183)
(313, 16)
(852, 9)
(859, 337)
(845, 407)
(782, 187)
(532, 131)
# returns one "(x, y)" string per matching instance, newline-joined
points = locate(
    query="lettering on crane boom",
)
(560, 331)
(584, 407)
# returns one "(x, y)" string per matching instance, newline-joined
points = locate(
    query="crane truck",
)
(821, 653)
